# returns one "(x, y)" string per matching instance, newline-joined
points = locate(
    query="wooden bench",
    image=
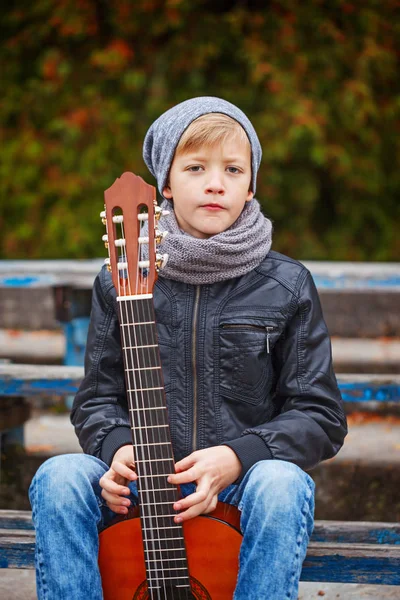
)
(47, 380)
(339, 551)
(348, 552)
(19, 382)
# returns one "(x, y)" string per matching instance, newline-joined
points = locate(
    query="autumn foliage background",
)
(83, 80)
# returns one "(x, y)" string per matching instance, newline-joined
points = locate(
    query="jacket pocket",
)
(245, 370)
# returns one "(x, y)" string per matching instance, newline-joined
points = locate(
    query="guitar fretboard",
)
(163, 541)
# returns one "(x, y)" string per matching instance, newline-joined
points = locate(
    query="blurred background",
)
(83, 80)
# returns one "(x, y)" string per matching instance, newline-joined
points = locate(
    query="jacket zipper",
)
(194, 365)
(268, 329)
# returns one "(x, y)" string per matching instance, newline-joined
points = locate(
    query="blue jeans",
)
(276, 500)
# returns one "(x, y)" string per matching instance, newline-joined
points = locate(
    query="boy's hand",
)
(114, 481)
(213, 469)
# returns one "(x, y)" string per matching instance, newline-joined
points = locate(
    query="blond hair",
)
(209, 130)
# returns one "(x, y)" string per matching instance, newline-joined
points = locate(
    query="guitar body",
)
(212, 545)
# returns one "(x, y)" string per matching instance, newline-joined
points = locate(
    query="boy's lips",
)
(213, 206)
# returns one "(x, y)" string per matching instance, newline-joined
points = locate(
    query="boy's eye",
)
(195, 168)
(233, 170)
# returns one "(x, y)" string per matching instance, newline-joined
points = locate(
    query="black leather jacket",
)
(246, 362)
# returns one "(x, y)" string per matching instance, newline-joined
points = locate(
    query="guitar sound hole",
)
(171, 592)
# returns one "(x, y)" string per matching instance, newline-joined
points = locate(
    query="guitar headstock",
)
(130, 216)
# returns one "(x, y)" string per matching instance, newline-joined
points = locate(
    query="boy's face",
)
(209, 187)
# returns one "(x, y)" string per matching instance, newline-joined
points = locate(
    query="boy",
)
(252, 397)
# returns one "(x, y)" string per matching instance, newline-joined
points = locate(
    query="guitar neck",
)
(162, 537)
(145, 392)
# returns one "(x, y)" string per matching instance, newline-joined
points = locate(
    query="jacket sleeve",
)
(311, 425)
(101, 421)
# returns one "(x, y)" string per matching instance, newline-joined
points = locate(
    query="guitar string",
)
(149, 316)
(160, 419)
(156, 437)
(142, 318)
(172, 563)
(137, 434)
(146, 318)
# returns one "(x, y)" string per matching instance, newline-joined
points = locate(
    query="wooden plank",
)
(30, 380)
(16, 519)
(352, 563)
(347, 563)
(17, 549)
(328, 275)
(361, 532)
(366, 388)
(343, 532)
(327, 560)
(39, 273)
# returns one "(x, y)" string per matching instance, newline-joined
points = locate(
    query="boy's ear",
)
(250, 196)
(167, 192)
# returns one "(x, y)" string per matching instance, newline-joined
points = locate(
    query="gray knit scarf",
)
(225, 255)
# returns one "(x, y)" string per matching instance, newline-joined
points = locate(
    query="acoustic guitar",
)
(145, 554)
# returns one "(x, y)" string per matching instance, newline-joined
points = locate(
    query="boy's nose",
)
(215, 186)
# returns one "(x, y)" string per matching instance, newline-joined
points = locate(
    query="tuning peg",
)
(144, 264)
(143, 217)
(118, 218)
(107, 262)
(105, 240)
(160, 236)
(122, 266)
(103, 217)
(160, 212)
(161, 261)
(121, 243)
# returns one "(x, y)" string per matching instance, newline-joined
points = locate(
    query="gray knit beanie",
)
(164, 134)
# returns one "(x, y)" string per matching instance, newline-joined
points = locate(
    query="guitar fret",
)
(170, 569)
(158, 578)
(163, 527)
(166, 549)
(134, 324)
(142, 368)
(181, 585)
(145, 389)
(158, 540)
(153, 444)
(147, 408)
(155, 460)
(168, 559)
(148, 346)
(157, 516)
(149, 427)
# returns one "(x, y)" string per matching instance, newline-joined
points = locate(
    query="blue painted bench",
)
(19, 382)
(46, 380)
(339, 551)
